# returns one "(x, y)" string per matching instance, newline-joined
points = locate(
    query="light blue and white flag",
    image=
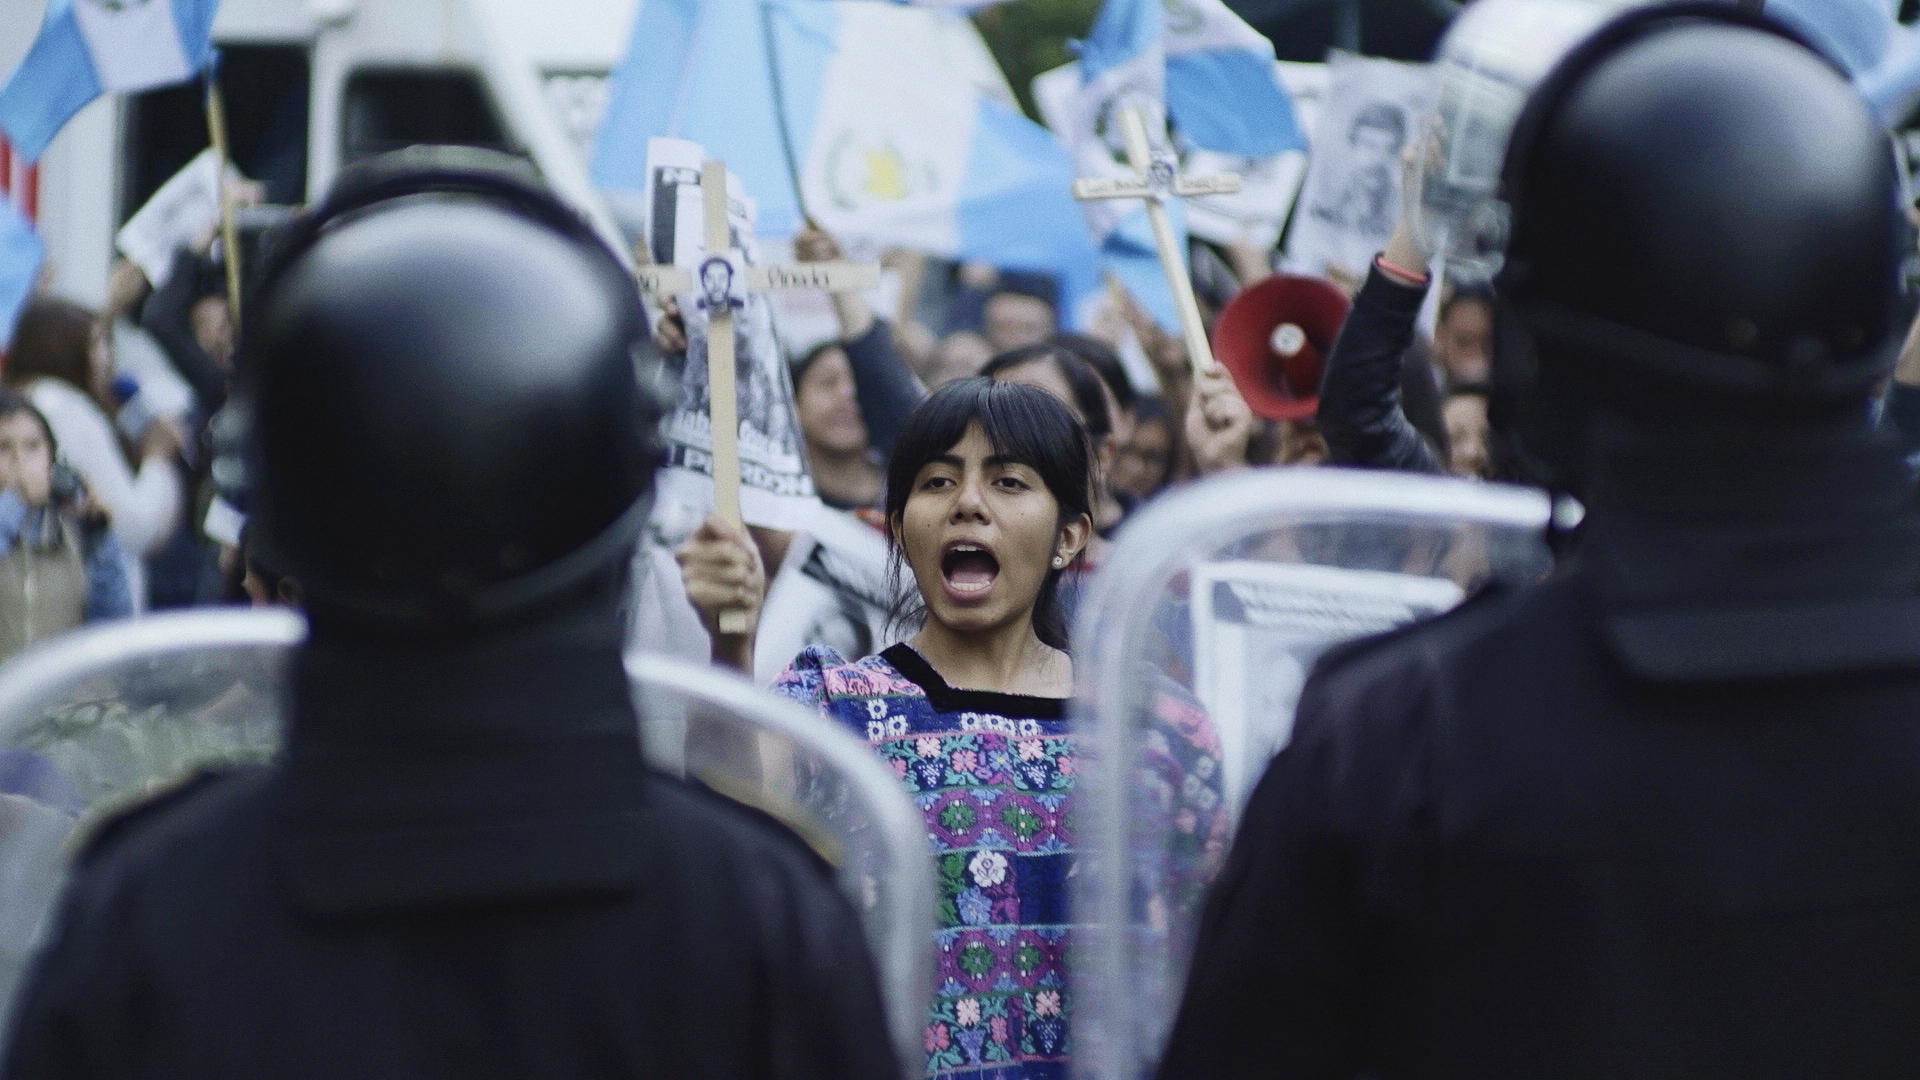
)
(91, 47)
(1123, 66)
(20, 256)
(1892, 88)
(1855, 33)
(1222, 87)
(1191, 61)
(892, 134)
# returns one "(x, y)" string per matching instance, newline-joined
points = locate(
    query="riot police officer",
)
(1654, 816)
(460, 866)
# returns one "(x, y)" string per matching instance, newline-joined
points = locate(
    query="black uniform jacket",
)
(1658, 816)
(461, 869)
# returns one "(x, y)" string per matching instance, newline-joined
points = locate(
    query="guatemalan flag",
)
(1123, 66)
(90, 47)
(1194, 62)
(897, 131)
(1222, 89)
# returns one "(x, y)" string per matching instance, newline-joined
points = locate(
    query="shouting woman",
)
(987, 507)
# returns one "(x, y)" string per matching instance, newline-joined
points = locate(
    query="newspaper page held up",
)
(1373, 110)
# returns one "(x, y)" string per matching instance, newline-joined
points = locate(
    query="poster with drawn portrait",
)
(1372, 109)
(776, 487)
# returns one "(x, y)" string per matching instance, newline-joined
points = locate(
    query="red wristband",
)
(1414, 276)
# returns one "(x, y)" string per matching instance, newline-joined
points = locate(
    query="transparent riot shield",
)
(1491, 59)
(105, 716)
(743, 742)
(1192, 645)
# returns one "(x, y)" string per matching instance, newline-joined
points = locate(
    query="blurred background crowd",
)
(122, 336)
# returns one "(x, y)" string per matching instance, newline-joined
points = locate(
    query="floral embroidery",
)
(989, 868)
(975, 908)
(996, 791)
(958, 817)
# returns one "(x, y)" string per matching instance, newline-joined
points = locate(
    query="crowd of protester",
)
(969, 404)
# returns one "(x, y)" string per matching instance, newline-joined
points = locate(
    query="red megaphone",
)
(1274, 338)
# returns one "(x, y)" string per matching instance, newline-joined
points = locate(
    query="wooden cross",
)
(1156, 179)
(724, 280)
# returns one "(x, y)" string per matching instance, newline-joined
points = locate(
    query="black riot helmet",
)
(1705, 227)
(444, 420)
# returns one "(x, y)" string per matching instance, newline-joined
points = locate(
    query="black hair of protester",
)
(1080, 377)
(13, 401)
(1022, 423)
(1105, 362)
(797, 369)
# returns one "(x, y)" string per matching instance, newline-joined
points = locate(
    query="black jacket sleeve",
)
(1287, 967)
(168, 316)
(886, 389)
(1361, 414)
(70, 1020)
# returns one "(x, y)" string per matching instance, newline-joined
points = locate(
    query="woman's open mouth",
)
(969, 570)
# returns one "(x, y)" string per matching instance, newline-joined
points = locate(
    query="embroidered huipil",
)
(992, 773)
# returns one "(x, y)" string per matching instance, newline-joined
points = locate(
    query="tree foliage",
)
(1028, 37)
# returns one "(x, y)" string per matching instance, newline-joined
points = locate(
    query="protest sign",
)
(1372, 110)
(776, 488)
(185, 209)
(704, 254)
(1259, 626)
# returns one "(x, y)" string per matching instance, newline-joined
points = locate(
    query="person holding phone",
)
(60, 565)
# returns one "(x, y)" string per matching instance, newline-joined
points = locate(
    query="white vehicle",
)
(311, 85)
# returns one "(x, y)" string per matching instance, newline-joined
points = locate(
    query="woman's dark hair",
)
(54, 339)
(1088, 396)
(1105, 363)
(1022, 423)
(12, 401)
(797, 370)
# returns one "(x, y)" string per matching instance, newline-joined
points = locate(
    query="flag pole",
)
(780, 108)
(229, 230)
